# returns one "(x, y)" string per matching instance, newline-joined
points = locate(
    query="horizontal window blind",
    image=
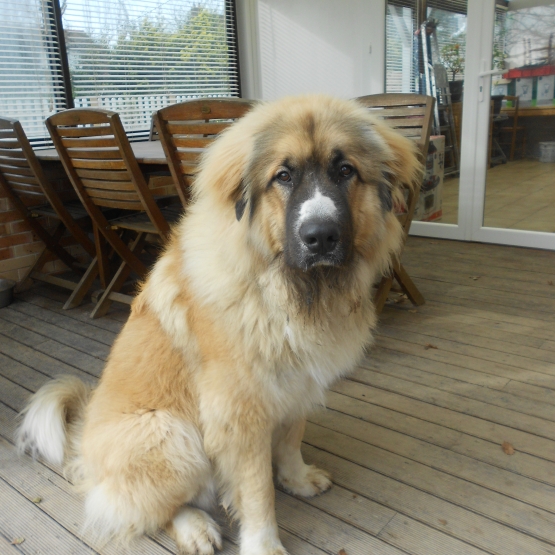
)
(136, 56)
(455, 6)
(401, 46)
(31, 84)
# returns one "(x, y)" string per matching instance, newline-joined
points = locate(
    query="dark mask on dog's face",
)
(318, 229)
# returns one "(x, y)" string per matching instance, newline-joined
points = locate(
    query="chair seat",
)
(141, 222)
(74, 207)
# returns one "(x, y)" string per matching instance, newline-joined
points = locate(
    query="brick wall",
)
(20, 247)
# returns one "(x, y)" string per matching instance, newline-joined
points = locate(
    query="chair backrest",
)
(412, 116)
(19, 167)
(25, 182)
(100, 163)
(187, 128)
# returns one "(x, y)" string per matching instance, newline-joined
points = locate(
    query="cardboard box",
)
(428, 208)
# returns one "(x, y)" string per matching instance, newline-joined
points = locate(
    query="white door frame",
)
(474, 145)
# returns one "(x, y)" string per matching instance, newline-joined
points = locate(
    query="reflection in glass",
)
(451, 39)
(520, 188)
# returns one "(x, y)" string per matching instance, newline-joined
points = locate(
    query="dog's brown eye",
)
(345, 170)
(284, 176)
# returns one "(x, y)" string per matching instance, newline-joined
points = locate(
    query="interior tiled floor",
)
(519, 195)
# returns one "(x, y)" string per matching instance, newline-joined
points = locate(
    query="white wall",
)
(299, 46)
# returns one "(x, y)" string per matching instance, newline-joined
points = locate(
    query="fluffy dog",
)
(261, 300)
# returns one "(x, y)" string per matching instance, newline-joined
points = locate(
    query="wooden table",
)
(530, 111)
(146, 152)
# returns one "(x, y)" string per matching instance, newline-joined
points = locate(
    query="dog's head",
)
(314, 179)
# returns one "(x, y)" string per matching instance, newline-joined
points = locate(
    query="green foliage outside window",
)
(452, 57)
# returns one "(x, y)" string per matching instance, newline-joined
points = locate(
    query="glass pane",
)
(445, 52)
(520, 186)
(31, 87)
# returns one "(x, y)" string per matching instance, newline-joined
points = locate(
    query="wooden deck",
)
(413, 439)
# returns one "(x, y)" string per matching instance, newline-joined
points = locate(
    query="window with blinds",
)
(136, 56)
(31, 83)
(401, 47)
(130, 56)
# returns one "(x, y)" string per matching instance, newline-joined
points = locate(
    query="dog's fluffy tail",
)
(49, 415)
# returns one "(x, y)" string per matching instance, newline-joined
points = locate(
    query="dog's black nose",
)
(320, 237)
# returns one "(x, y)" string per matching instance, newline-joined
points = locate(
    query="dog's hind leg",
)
(148, 465)
(292, 472)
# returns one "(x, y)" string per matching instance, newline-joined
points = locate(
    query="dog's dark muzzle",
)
(318, 242)
(320, 237)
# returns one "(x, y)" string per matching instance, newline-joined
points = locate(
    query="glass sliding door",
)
(520, 182)
(506, 187)
(449, 20)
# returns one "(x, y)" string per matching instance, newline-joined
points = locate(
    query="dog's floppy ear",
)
(240, 206)
(403, 168)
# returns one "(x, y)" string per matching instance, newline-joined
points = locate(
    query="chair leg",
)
(513, 145)
(382, 292)
(406, 283)
(52, 248)
(101, 257)
(120, 277)
(43, 258)
(52, 243)
(76, 298)
(39, 263)
(408, 286)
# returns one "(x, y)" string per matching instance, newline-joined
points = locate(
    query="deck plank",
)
(21, 518)
(431, 315)
(480, 500)
(51, 312)
(471, 345)
(392, 352)
(467, 526)
(471, 446)
(89, 347)
(428, 404)
(491, 477)
(487, 394)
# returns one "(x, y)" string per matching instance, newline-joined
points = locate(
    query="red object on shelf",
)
(538, 71)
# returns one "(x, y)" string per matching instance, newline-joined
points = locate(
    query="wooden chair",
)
(35, 197)
(513, 130)
(411, 115)
(187, 128)
(159, 179)
(98, 159)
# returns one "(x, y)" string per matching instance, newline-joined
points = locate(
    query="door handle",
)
(484, 74)
(492, 72)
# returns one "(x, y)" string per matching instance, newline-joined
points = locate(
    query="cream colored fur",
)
(212, 376)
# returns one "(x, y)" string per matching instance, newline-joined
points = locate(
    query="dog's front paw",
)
(195, 532)
(312, 481)
(263, 542)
